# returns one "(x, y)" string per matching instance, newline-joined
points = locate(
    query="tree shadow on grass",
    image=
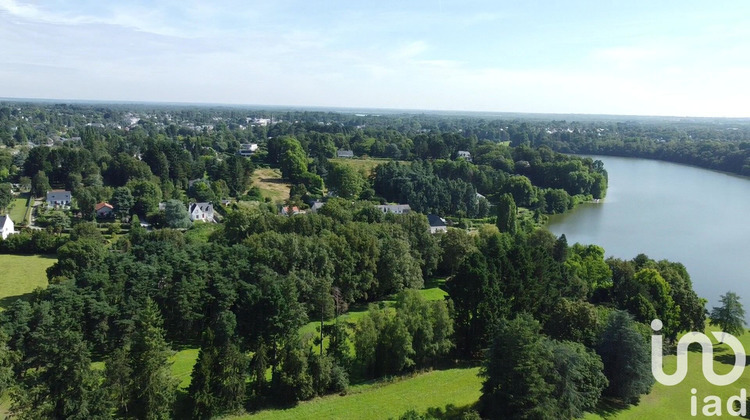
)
(433, 282)
(8, 301)
(728, 359)
(609, 408)
(451, 412)
(274, 180)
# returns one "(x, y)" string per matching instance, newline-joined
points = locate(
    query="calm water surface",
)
(668, 211)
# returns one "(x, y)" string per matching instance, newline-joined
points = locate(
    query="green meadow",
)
(382, 400)
(673, 402)
(20, 275)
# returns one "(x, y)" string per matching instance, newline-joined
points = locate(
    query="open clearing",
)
(381, 400)
(21, 274)
(17, 209)
(271, 184)
(363, 165)
(673, 402)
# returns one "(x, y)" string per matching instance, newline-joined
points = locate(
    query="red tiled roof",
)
(102, 205)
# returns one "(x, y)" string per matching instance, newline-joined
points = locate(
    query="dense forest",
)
(555, 327)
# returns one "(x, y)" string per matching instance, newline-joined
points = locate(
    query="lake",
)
(669, 211)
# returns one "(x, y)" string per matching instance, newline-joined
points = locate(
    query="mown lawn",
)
(21, 274)
(673, 402)
(381, 400)
(17, 209)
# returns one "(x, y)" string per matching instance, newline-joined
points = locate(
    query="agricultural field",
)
(21, 274)
(271, 184)
(384, 399)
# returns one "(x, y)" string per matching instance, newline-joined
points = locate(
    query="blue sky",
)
(603, 57)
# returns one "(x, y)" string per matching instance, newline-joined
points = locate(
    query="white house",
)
(6, 226)
(394, 208)
(58, 198)
(248, 149)
(437, 223)
(203, 212)
(104, 210)
(344, 154)
(464, 154)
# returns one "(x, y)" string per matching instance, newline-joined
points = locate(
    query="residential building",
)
(248, 149)
(437, 223)
(58, 198)
(6, 226)
(464, 154)
(394, 208)
(345, 154)
(104, 210)
(203, 212)
(287, 211)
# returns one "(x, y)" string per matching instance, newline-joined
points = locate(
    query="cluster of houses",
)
(61, 199)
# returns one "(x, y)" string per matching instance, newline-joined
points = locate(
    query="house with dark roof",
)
(203, 212)
(58, 198)
(437, 223)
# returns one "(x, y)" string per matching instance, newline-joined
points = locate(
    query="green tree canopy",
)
(176, 215)
(626, 357)
(730, 316)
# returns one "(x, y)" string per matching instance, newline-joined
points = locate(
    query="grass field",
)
(270, 184)
(17, 209)
(363, 165)
(21, 274)
(182, 367)
(381, 400)
(200, 232)
(673, 402)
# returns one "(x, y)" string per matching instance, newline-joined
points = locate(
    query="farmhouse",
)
(437, 223)
(58, 198)
(104, 209)
(203, 212)
(394, 208)
(345, 154)
(6, 226)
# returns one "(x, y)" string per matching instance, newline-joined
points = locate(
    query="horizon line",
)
(351, 109)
